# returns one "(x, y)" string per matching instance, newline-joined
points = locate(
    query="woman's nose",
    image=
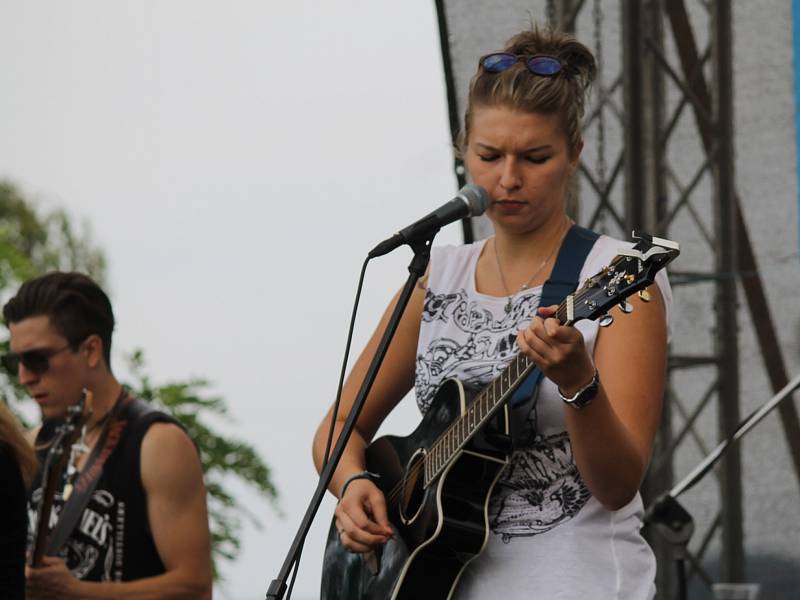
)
(510, 178)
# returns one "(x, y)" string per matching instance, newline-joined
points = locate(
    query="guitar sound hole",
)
(413, 494)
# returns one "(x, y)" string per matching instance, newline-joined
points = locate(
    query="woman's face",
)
(523, 160)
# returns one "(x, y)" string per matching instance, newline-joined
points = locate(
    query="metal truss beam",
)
(647, 132)
(643, 189)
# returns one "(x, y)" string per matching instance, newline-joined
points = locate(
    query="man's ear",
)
(93, 346)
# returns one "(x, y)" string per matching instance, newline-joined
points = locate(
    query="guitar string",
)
(436, 445)
(584, 291)
(393, 494)
(577, 298)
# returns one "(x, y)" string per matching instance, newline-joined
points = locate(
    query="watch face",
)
(585, 395)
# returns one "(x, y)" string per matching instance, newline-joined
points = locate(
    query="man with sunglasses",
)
(140, 524)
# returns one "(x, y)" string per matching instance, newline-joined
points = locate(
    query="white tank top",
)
(550, 538)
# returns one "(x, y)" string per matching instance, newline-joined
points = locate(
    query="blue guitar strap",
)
(563, 281)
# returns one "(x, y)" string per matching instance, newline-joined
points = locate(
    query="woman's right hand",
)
(361, 517)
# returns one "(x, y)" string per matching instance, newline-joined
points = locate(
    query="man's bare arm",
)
(176, 504)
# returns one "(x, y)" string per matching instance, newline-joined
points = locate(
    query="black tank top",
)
(112, 540)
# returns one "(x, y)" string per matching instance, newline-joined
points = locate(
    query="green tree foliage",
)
(32, 243)
(223, 458)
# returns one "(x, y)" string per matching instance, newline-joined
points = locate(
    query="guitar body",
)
(440, 528)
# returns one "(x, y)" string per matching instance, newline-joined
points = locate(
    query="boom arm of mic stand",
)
(667, 515)
(422, 253)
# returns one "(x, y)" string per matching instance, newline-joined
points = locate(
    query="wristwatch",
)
(583, 396)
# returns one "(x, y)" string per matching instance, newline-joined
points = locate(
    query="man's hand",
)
(172, 478)
(51, 581)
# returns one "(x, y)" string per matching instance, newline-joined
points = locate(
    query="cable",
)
(294, 571)
(329, 442)
(335, 411)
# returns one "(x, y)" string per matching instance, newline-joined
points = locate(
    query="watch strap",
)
(583, 396)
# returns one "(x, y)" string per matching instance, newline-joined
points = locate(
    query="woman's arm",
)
(612, 437)
(362, 516)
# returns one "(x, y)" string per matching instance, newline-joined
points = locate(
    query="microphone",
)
(471, 201)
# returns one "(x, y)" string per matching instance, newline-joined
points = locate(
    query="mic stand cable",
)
(296, 566)
(416, 268)
(344, 362)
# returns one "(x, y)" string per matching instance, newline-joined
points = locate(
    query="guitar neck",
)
(484, 406)
(53, 470)
(52, 473)
(630, 271)
(479, 411)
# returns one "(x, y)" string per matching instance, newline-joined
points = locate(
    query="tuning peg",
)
(606, 320)
(626, 307)
(645, 295)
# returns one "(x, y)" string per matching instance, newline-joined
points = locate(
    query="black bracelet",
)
(362, 475)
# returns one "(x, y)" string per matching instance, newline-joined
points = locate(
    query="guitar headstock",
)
(65, 435)
(78, 414)
(631, 271)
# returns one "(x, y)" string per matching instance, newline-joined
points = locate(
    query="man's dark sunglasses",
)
(36, 361)
(538, 64)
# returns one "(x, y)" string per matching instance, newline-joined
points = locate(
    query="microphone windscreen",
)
(476, 197)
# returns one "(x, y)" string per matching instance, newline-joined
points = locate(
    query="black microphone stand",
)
(416, 268)
(666, 514)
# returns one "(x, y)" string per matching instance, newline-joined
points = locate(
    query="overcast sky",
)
(236, 161)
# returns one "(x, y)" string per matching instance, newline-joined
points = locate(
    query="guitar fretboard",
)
(492, 397)
(482, 407)
(633, 269)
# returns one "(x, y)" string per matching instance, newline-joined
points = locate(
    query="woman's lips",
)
(509, 205)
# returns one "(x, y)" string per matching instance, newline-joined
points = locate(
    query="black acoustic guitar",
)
(438, 480)
(53, 472)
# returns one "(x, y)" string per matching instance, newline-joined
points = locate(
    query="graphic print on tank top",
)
(94, 550)
(541, 487)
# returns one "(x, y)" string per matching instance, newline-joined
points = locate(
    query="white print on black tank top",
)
(94, 550)
(541, 487)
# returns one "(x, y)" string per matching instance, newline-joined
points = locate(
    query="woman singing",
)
(566, 512)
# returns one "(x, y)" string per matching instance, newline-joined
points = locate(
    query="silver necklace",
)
(525, 285)
(80, 447)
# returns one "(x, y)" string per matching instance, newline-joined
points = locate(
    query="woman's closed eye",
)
(537, 159)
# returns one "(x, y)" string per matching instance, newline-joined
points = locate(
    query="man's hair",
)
(75, 304)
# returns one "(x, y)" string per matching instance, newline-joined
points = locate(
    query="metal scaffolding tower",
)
(662, 86)
(665, 84)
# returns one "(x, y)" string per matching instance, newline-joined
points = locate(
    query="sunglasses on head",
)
(36, 361)
(538, 64)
